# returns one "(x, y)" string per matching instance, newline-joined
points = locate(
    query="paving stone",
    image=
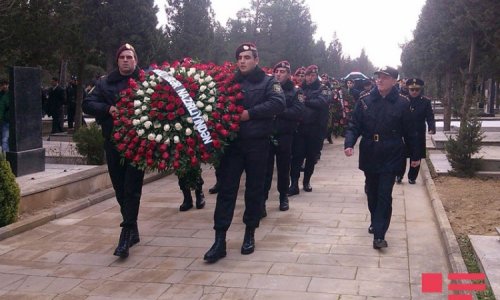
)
(279, 282)
(239, 294)
(327, 271)
(288, 295)
(333, 286)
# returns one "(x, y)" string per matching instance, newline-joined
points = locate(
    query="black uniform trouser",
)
(379, 191)
(248, 155)
(307, 144)
(57, 120)
(283, 153)
(183, 181)
(71, 114)
(412, 172)
(127, 182)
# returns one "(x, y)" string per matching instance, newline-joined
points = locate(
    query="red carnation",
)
(179, 147)
(220, 105)
(215, 115)
(236, 118)
(122, 147)
(232, 99)
(194, 161)
(163, 148)
(240, 109)
(216, 144)
(205, 156)
(150, 162)
(135, 140)
(117, 136)
(234, 127)
(170, 107)
(240, 96)
(170, 116)
(224, 132)
(231, 107)
(131, 146)
(128, 154)
(162, 165)
(141, 150)
(219, 127)
(181, 111)
(116, 122)
(165, 155)
(226, 118)
(176, 164)
(191, 142)
(137, 158)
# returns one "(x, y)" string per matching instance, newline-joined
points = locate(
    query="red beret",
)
(299, 71)
(125, 47)
(246, 47)
(282, 64)
(312, 69)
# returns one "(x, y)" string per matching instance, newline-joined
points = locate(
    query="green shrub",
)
(10, 195)
(89, 143)
(459, 150)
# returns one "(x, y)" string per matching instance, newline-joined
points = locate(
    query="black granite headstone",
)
(26, 154)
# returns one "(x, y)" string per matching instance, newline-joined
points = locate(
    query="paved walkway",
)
(319, 249)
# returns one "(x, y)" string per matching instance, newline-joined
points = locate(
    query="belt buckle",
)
(376, 137)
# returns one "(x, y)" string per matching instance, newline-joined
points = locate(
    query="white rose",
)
(140, 93)
(172, 70)
(145, 84)
(202, 73)
(166, 127)
(157, 125)
(148, 124)
(151, 78)
(140, 132)
(211, 100)
(176, 140)
(189, 73)
(212, 92)
(150, 91)
(144, 119)
(183, 69)
(137, 111)
(203, 97)
(189, 120)
(151, 136)
(211, 85)
(192, 70)
(144, 107)
(136, 122)
(199, 104)
(178, 126)
(208, 78)
(201, 81)
(167, 141)
(203, 88)
(152, 83)
(146, 99)
(197, 77)
(188, 131)
(137, 103)
(205, 117)
(158, 138)
(208, 108)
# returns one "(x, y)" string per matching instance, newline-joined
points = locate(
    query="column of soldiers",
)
(287, 117)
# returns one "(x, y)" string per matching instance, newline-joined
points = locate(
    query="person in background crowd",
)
(285, 125)
(4, 114)
(127, 180)
(71, 90)
(421, 111)
(367, 86)
(383, 119)
(263, 99)
(56, 100)
(351, 90)
(299, 76)
(311, 132)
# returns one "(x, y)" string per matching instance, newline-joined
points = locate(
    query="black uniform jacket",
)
(421, 110)
(264, 99)
(385, 126)
(316, 102)
(104, 95)
(287, 121)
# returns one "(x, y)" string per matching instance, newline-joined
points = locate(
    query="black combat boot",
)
(283, 202)
(200, 199)
(294, 187)
(214, 189)
(187, 204)
(134, 236)
(218, 249)
(124, 243)
(306, 182)
(248, 241)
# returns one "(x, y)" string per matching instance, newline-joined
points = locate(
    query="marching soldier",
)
(383, 119)
(421, 111)
(309, 138)
(285, 125)
(263, 99)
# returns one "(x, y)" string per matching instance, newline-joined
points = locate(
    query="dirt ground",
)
(472, 205)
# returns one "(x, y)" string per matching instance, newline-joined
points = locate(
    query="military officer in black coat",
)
(383, 119)
(263, 99)
(285, 125)
(311, 132)
(126, 179)
(421, 111)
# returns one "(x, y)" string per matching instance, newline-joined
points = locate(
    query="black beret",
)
(125, 47)
(390, 71)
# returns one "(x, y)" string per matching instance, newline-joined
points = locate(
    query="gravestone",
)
(26, 154)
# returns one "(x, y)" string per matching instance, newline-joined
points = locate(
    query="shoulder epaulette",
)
(404, 96)
(364, 94)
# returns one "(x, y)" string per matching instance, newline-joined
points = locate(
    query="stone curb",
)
(449, 239)
(66, 209)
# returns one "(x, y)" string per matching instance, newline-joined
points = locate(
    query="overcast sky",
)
(378, 26)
